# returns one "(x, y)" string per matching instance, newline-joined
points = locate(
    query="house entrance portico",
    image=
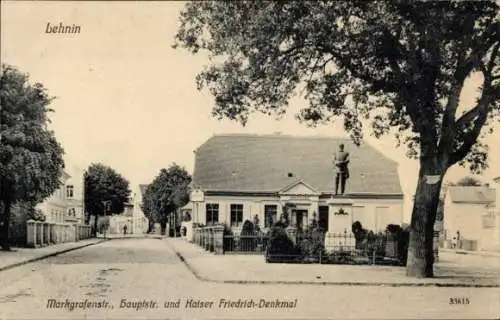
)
(302, 201)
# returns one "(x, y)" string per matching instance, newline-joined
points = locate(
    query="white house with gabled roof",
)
(237, 177)
(471, 213)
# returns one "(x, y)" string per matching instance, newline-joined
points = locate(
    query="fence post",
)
(203, 237)
(39, 234)
(211, 244)
(219, 239)
(31, 238)
(51, 233)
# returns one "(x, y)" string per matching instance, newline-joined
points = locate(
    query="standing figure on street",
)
(341, 162)
(125, 230)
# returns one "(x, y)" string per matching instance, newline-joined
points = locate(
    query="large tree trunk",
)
(5, 224)
(420, 252)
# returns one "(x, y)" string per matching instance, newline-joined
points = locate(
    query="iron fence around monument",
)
(382, 248)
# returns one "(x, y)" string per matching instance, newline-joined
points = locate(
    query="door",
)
(300, 218)
(323, 218)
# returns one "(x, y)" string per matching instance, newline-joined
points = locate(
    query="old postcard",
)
(250, 160)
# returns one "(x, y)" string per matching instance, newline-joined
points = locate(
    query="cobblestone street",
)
(114, 275)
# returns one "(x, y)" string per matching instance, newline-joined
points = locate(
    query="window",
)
(71, 212)
(270, 215)
(236, 215)
(212, 213)
(69, 192)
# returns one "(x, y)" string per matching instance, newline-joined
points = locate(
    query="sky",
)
(126, 98)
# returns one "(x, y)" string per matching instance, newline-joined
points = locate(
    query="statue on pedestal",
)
(341, 162)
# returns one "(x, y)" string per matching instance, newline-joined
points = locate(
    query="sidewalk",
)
(122, 236)
(478, 253)
(20, 256)
(450, 271)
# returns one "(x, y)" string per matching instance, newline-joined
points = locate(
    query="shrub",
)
(280, 247)
(285, 216)
(256, 222)
(227, 241)
(360, 235)
(403, 242)
(311, 244)
(393, 228)
(400, 235)
(248, 238)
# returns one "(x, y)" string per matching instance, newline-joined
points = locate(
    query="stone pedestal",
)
(340, 215)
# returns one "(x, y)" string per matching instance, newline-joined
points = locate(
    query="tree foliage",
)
(168, 192)
(402, 65)
(469, 181)
(31, 158)
(103, 183)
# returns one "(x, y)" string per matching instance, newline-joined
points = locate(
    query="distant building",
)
(117, 222)
(238, 177)
(132, 216)
(74, 195)
(471, 213)
(55, 207)
(139, 220)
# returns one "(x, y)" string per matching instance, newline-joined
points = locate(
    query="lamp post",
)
(84, 214)
(105, 204)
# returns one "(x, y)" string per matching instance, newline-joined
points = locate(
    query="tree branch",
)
(377, 84)
(476, 116)
(470, 138)
(494, 53)
(448, 127)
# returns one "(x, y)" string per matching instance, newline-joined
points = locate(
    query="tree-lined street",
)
(148, 270)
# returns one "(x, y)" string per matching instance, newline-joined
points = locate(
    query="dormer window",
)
(69, 191)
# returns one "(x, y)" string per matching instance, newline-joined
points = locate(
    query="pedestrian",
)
(454, 242)
(125, 229)
(341, 162)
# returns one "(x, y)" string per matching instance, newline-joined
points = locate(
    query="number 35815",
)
(459, 300)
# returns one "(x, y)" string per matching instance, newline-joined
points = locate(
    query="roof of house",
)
(262, 163)
(471, 194)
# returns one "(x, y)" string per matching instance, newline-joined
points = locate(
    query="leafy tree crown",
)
(31, 158)
(397, 66)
